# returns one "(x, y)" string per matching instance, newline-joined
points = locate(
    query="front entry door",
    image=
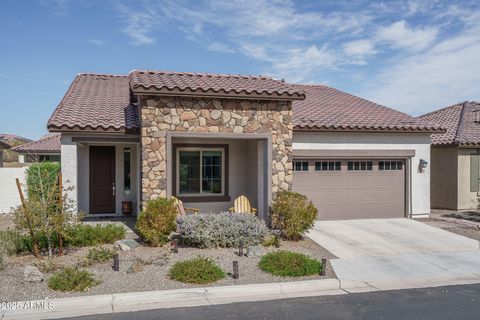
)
(102, 179)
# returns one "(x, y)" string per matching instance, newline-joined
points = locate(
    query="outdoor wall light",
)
(422, 165)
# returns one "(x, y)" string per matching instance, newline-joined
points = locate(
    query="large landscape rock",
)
(137, 266)
(126, 244)
(32, 274)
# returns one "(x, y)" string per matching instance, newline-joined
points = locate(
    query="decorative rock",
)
(137, 266)
(32, 274)
(126, 244)
(253, 251)
(215, 114)
(187, 115)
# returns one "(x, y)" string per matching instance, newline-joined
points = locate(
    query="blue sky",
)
(412, 55)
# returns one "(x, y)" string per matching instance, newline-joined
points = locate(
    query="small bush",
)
(83, 235)
(293, 214)
(198, 271)
(271, 240)
(221, 230)
(157, 221)
(46, 265)
(98, 255)
(11, 242)
(289, 264)
(72, 279)
(80, 235)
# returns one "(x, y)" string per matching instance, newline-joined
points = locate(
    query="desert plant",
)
(72, 279)
(289, 264)
(293, 214)
(221, 230)
(271, 240)
(11, 242)
(41, 179)
(46, 265)
(98, 255)
(198, 271)
(157, 221)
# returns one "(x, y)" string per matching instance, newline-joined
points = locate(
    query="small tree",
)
(47, 211)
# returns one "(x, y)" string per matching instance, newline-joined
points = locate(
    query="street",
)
(453, 302)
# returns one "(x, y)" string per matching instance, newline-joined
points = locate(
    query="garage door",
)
(352, 189)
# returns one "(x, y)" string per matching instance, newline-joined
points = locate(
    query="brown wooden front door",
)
(102, 179)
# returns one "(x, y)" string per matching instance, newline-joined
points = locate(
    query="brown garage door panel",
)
(353, 194)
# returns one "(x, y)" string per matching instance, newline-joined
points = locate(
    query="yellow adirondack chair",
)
(182, 211)
(242, 205)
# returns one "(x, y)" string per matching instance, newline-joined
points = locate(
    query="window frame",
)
(302, 163)
(321, 166)
(358, 168)
(205, 196)
(384, 167)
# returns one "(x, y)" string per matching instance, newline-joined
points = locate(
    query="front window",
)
(200, 171)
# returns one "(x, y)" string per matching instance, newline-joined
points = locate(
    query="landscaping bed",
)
(157, 262)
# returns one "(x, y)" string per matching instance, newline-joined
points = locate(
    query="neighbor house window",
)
(200, 171)
(300, 165)
(390, 165)
(127, 159)
(48, 158)
(328, 165)
(360, 165)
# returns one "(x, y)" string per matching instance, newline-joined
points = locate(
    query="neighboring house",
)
(10, 157)
(455, 157)
(209, 138)
(46, 148)
(3, 146)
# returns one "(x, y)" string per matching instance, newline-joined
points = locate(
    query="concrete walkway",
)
(397, 252)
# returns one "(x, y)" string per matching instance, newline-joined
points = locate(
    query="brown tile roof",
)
(47, 144)
(204, 84)
(327, 108)
(462, 122)
(96, 102)
(4, 145)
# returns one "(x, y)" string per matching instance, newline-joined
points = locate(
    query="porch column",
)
(69, 156)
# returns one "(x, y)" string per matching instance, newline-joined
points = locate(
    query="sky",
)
(412, 55)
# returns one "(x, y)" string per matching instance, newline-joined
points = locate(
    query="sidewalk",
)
(136, 301)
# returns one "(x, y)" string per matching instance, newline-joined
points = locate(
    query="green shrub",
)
(157, 221)
(293, 214)
(72, 279)
(221, 230)
(80, 235)
(11, 242)
(46, 265)
(42, 177)
(271, 240)
(98, 255)
(289, 264)
(198, 271)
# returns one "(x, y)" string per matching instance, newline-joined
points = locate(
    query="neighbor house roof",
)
(204, 84)
(96, 102)
(462, 122)
(327, 108)
(4, 145)
(47, 144)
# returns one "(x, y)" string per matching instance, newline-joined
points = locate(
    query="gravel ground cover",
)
(443, 219)
(156, 263)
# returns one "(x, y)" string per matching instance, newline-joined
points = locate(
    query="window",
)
(328, 165)
(200, 171)
(300, 165)
(390, 165)
(360, 165)
(127, 158)
(48, 158)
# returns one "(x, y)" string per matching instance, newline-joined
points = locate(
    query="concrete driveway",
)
(399, 251)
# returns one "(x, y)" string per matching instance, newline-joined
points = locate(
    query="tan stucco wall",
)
(466, 199)
(444, 178)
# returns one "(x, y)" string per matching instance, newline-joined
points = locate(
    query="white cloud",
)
(139, 24)
(446, 74)
(59, 7)
(400, 35)
(96, 42)
(359, 48)
(220, 47)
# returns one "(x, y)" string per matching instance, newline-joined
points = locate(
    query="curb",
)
(205, 296)
(137, 301)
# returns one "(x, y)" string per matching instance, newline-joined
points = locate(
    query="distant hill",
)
(13, 140)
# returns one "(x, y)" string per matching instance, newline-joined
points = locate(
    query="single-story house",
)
(455, 156)
(209, 138)
(3, 146)
(47, 148)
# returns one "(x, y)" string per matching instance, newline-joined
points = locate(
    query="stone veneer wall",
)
(162, 114)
